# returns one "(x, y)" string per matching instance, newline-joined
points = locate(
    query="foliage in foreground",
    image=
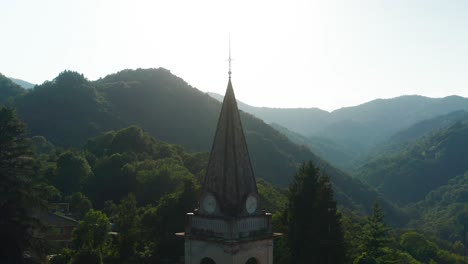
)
(19, 193)
(154, 184)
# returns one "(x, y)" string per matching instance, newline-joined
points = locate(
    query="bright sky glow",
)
(311, 53)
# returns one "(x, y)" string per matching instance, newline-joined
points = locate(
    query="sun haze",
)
(322, 53)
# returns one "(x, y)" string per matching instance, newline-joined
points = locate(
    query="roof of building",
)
(229, 176)
(57, 220)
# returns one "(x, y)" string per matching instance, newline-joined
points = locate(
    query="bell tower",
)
(229, 227)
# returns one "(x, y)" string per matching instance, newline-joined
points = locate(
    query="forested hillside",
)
(410, 174)
(346, 135)
(96, 150)
(130, 192)
(141, 185)
(329, 150)
(444, 211)
(161, 103)
(418, 130)
(382, 118)
(70, 109)
(8, 90)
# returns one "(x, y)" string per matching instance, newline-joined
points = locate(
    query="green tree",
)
(352, 225)
(72, 172)
(64, 257)
(159, 224)
(109, 172)
(462, 219)
(314, 233)
(79, 204)
(93, 232)
(418, 246)
(281, 251)
(128, 230)
(364, 258)
(18, 196)
(9, 90)
(374, 237)
(87, 256)
(41, 145)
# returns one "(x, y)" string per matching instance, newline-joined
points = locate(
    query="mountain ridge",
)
(356, 130)
(432, 160)
(22, 83)
(70, 108)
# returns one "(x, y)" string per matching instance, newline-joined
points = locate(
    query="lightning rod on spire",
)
(229, 60)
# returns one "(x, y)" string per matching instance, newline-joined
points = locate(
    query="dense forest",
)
(127, 153)
(172, 111)
(433, 159)
(346, 135)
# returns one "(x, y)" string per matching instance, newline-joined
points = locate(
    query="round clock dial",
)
(251, 204)
(209, 203)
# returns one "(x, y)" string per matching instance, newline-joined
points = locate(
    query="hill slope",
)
(323, 147)
(306, 121)
(439, 212)
(24, 84)
(418, 130)
(408, 175)
(67, 110)
(70, 109)
(351, 132)
(8, 90)
(368, 124)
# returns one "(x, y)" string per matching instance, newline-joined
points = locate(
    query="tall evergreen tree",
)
(315, 232)
(126, 221)
(17, 192)
(374, 236)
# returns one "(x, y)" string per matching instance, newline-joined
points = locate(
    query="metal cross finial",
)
(229, 57)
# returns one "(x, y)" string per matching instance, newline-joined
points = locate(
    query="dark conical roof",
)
(229, 175)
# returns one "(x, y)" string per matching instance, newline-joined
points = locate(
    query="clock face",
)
(251, 204)
(209, 203)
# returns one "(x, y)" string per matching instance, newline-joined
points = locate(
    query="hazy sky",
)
(313, 53)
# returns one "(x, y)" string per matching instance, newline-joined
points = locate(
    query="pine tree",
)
(126, 221)
(314, 232)
(375, 234)
(17, 193)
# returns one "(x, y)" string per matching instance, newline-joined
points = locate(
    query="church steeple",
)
(229, 175)
(229, 226)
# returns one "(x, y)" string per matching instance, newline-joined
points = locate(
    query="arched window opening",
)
(252, 261)
(208, 261)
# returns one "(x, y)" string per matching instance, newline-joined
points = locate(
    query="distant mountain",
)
(405, 137)
(8, 90)
(70, 109)
(355, 130)
(24, 84)
(296, 123)
(408, 175)
(306, 121)
(363, 126)
(325, 148)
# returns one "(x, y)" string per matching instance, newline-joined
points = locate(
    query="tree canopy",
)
(19, 197)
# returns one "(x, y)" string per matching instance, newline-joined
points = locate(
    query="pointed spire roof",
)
(229, 176)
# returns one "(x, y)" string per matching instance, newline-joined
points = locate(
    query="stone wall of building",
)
(229, 253)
